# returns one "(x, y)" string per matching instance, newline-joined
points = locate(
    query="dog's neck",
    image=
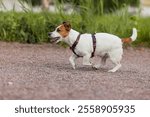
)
(71, 38)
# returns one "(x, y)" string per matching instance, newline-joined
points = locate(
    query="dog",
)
(104, 45)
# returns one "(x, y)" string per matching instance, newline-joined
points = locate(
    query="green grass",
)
(143, 32)
(33, 27)
(26, 27)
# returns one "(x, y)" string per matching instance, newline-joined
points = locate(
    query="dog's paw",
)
(96, 67)
(74, 67)
(111, 71)
(87, 63)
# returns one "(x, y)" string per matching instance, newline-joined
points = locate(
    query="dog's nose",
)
(49, 34)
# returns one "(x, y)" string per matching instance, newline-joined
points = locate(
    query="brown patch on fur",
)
(64, 29)
(126, 40)
(67, 26)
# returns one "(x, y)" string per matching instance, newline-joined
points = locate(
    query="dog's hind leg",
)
(116, 56)
(72, 59)
(104, 58)
(102, 63)
(118, 65)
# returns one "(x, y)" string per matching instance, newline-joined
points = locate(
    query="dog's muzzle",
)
(53, 39)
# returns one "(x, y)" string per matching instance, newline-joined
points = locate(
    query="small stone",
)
(10, 83)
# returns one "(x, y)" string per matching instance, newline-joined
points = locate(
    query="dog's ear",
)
(67, 26)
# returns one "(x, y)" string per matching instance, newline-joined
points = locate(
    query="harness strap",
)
(76, 42)
(94, 45)
(74, 45)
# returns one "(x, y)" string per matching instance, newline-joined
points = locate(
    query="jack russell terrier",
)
(89, 45)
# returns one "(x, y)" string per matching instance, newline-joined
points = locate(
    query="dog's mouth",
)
(54, 39)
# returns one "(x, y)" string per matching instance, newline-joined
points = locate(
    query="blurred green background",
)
(86, 16)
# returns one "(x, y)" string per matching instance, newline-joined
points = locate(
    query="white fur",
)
(134, 35)
(105, 44)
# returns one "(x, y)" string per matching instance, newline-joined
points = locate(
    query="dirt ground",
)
(43, 72)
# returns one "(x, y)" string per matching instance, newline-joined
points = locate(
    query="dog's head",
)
(60, 33)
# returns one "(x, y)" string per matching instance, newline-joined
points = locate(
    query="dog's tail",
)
(132, 38)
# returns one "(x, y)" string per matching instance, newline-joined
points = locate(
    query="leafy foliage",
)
(30, 27)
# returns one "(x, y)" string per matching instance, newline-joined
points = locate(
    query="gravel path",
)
(43, 72)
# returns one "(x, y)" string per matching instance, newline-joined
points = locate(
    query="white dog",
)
(87, 45)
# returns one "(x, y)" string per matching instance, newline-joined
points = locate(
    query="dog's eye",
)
(58, 30)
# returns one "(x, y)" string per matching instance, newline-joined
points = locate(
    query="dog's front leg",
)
(86, 59)
(72, 59)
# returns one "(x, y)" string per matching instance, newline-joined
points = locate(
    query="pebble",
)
(10, 83)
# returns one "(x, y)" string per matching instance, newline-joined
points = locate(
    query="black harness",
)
(76, 42)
